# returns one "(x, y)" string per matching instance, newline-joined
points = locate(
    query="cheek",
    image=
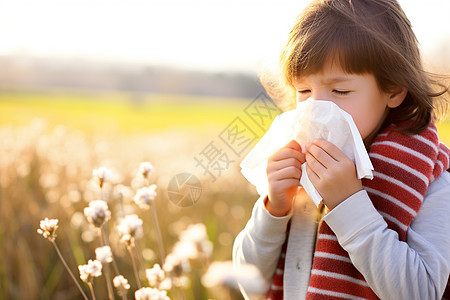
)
(365, 127)
(369, 120)
(362, 125)
(360, 117)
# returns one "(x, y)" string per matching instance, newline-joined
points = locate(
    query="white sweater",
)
(416, 269)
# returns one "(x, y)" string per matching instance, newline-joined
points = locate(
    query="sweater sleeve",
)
(260, 242)
(416, 269)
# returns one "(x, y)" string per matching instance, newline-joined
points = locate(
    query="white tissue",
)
(312, 119)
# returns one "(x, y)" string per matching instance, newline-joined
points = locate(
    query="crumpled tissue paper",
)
(312, 119)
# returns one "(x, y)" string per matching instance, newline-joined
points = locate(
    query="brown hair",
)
(365, 36)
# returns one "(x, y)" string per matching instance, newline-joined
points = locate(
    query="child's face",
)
(357, 94)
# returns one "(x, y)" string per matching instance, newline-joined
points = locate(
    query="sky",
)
(212, 35)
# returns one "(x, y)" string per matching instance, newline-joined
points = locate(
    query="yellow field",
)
(106, 111)
(50, 141)
(100, 112)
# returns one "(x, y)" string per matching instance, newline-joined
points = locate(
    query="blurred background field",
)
(85, 84)
(103, 111)
(51, 141)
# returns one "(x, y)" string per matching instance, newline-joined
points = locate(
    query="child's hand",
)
(331, 172)
(284, 172)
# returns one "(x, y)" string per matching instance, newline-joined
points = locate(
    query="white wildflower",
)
(122, 192)
(101, 175)
(194, 242)
(157, 278)
(92, 269)
(145, 196)
(185, 249)
(97, 212)
(181, 282)
(130, 228)
(121, 282)
(143, 293)
(176, 265)
(194, 232)
(146, 169)
(224, 274)
(48, 228)
(162, 295)
(155, 274)
(165, 285)
(147, 293)
(103, 254)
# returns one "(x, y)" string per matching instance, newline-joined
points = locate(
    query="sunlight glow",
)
(195, 34)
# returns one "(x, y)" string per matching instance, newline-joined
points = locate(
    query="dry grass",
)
(46, 170)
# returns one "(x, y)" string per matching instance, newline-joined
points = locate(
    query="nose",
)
(320, 95)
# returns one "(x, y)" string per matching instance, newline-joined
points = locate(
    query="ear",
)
(396, 96)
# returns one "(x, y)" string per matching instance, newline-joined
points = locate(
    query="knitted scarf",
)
(404, 166)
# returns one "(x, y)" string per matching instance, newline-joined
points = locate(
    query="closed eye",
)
(304, 92)
(341, 93)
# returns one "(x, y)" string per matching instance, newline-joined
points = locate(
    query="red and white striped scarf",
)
(404, 166)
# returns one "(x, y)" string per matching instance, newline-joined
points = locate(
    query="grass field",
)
(124, 112)
(100, 111)
(50, 141)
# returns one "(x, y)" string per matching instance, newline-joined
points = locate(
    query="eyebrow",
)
(337, 80)
(332, 80)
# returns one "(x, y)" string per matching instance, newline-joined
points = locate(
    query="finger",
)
(315, 165)
(286, 173)
(281, 164)
(285, 153)
(321, 155)
(313, 177)
(281, 187)
(287, 183)
(294, 145)
(330, 148)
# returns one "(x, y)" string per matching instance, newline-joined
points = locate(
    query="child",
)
(384, 238)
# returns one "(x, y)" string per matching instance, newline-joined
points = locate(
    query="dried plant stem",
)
(138, 282)
(108, 283)
(139, 255)
(121, 212)
(158, 234)
(182, 294)
(91, 288)
(123, 293)
(68, 270)
(104, 242)
(116, 269)
(178, 289)
(102, 194)
(100, 236)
